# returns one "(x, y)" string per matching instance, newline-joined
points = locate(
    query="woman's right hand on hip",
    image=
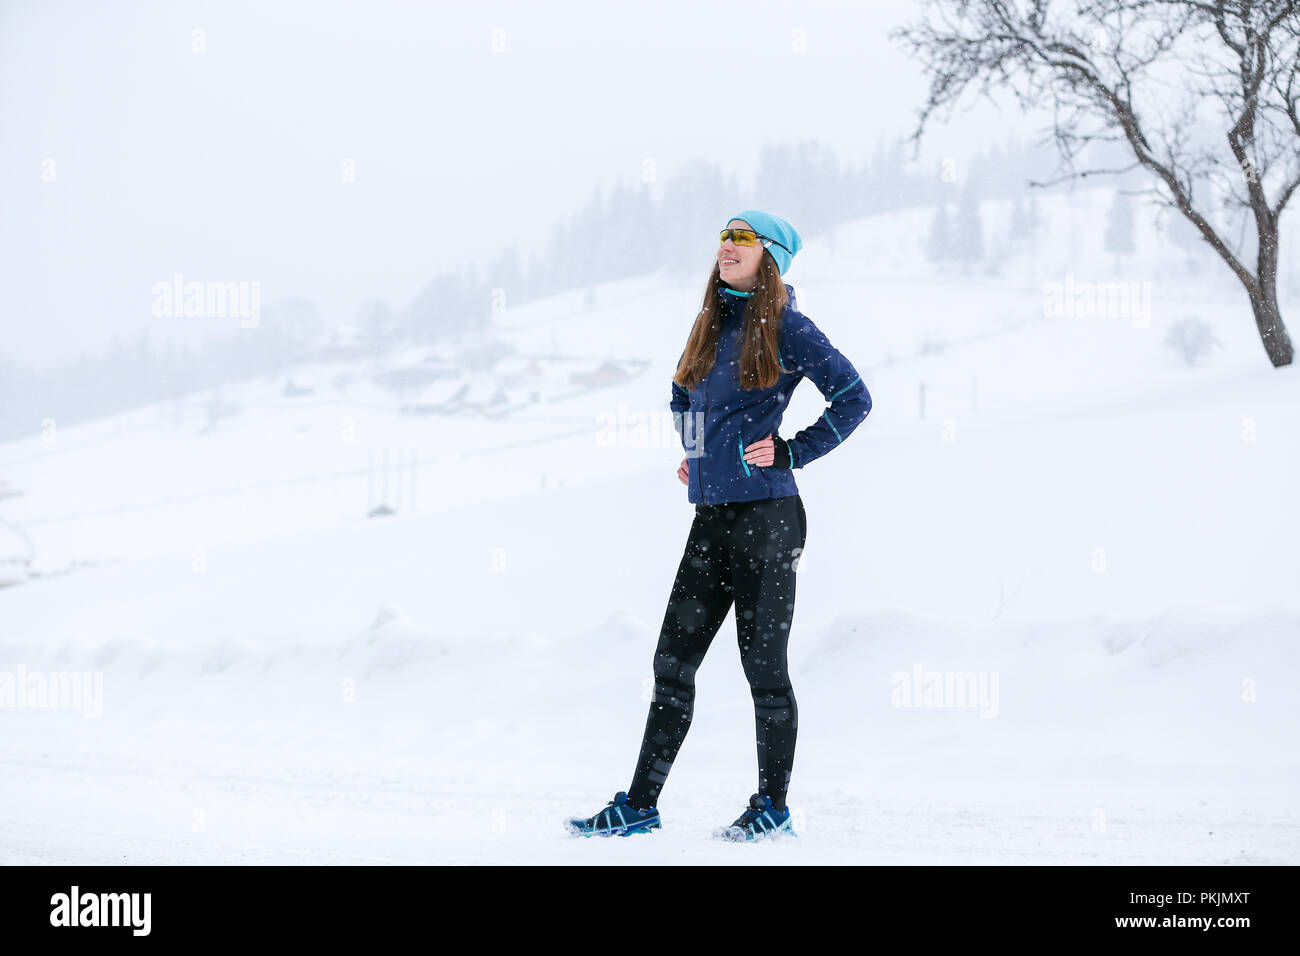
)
(684, 472)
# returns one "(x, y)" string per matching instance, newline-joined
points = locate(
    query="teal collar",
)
(742, 295)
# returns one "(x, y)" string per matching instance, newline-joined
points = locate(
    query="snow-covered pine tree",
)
(968, 231)
(938, 248)
(1119, 227)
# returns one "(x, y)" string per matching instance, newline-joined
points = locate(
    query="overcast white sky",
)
(226, 164)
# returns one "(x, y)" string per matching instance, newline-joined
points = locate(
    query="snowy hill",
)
(1054, 511)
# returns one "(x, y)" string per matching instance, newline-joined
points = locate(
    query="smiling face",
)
(738, 265)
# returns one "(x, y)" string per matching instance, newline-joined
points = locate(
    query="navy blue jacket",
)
(718, 419)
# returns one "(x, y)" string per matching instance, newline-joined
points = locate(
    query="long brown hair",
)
(759, 361)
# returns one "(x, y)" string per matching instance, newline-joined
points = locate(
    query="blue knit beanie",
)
(783, 241)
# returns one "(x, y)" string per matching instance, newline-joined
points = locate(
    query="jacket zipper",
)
(699, 459)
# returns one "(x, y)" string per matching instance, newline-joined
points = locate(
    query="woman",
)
(747, 351)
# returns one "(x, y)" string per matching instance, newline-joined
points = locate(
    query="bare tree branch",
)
(1111, 62)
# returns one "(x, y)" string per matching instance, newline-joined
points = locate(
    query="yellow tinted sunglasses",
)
(747, 237)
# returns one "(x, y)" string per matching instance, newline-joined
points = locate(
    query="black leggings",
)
(743, 552)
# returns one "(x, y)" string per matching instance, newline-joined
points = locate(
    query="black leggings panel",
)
(744, 553)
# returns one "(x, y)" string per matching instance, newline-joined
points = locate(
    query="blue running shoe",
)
(759, 822)
(617, 819)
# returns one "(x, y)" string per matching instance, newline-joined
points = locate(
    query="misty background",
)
(401, 172)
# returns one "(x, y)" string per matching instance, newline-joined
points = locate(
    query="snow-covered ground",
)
(1101, 539)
